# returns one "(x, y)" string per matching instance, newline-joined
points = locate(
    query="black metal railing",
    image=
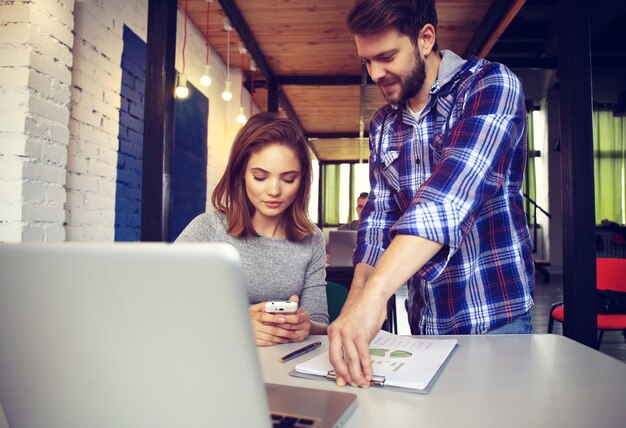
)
(534, 218)
(539, 265)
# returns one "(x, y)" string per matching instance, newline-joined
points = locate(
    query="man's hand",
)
(350, 335)
(366, 307)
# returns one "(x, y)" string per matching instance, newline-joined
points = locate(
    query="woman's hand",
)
(267, 327)
(271, 329)
(299, 323)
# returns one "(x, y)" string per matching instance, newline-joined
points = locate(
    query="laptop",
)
(137, 335)
(341, 246)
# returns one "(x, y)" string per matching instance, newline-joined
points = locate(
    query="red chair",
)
(611, 275)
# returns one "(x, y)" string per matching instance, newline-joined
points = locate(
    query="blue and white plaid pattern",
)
(454, 176)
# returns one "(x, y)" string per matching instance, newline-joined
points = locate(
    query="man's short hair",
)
(406, 16)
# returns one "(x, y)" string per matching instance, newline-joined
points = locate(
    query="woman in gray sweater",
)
(261, 205)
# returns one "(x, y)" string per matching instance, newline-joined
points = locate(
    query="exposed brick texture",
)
(60, 82)
(35, 50)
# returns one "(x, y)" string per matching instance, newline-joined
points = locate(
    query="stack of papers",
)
(404, 361)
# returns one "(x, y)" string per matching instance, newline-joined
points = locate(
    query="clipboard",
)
(380, 381)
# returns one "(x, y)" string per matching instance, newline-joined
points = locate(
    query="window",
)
(315, 190)
(609, 150)
(342, 184)
(535, 179)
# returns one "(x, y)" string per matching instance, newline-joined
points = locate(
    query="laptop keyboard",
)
(283, 421)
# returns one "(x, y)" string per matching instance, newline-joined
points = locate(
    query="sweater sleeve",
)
(202, 228)
(313, 296)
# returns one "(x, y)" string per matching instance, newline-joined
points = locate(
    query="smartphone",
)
(281, 307)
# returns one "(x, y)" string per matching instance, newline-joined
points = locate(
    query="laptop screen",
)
(126, 335)
(133, 335)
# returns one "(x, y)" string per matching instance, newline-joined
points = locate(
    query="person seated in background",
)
(353, 225)
(261, 205)
(360, 203)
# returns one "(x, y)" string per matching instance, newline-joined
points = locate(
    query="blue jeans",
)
(520, 325)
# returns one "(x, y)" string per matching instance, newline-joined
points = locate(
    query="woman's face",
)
(272, 177)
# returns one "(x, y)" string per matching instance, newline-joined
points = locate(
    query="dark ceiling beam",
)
(245, 34)
(527, 46)
(338, 80)
(241, 26)
(599, 61)
(551, 45)
(258, 84)
(494, 16)
(273, 96)
(607, 49)
(510, 14)
(312, 81)
(550, 62)
(600, 21)
(511, 43)
(608, 46)
(523, 29)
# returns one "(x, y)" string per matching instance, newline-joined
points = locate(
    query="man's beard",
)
(409, 86)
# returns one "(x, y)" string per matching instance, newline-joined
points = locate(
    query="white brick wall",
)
(60, 74)
(35, 52)
(96, 77)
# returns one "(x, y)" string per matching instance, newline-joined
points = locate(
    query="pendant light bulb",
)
(181, 91)
(241, 117)
(227, 95)
(205, 79)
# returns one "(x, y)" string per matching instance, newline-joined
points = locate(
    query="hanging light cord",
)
(185, 34)
(228, 56)
(208, 17)
(251, 89)
(242, 72)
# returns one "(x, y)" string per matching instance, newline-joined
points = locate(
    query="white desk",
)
(490, 381)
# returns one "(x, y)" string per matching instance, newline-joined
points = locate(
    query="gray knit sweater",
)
(272, 269)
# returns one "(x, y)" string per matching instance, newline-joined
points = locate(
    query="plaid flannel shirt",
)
(454, 176)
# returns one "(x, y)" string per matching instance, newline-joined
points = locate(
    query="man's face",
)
(360, 203)
(394, 63)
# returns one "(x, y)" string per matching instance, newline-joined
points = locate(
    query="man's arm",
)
(366, 306)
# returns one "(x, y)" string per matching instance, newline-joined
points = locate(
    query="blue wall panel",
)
(129, 160)
(189, 160)
(189, 152)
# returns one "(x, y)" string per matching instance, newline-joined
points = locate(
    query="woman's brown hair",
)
(229, 196)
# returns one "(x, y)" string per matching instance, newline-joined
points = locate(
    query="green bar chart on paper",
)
(391, 359)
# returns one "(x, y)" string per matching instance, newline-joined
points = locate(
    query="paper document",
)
(404, 361)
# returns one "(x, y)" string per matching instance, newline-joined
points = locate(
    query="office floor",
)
(546, 294)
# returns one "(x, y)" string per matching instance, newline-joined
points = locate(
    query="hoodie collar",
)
(450, 69)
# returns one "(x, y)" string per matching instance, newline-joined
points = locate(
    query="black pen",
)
(301, 351)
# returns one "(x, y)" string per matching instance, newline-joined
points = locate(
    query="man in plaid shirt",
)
(445, 209)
